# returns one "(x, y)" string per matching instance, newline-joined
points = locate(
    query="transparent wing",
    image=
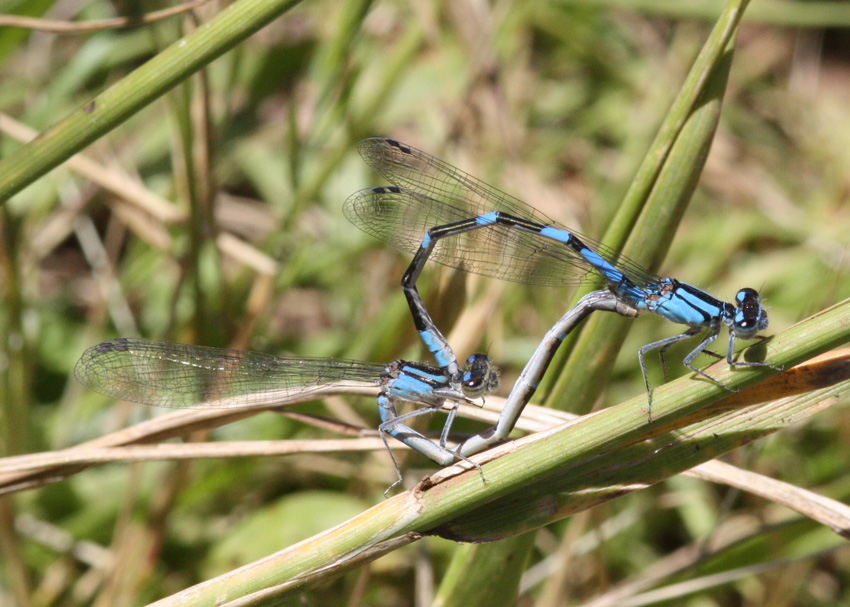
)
(166, 374)
(412, 169)
(430, 192)
(401, 218)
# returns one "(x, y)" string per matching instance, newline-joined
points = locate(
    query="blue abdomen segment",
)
(614, 277)
(436, 348)
(611, 274)
(487, 219)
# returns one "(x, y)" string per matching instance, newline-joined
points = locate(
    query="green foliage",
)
(555, 102)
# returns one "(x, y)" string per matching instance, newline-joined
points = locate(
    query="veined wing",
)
(166, 374)
(429, 192)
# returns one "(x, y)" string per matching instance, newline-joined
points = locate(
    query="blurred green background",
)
(554, 102)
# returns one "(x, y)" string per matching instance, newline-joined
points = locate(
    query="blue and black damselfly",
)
(167, 374)
(497, 235)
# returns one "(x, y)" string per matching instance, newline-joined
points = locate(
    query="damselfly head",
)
(750, 317)
(480, 377)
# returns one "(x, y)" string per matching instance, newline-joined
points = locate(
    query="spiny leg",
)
(447, 427)
(709, 339)
(389, 408)
(668, 346)
(731, 351)
(664, 344)
(391, 425)
(439, 454)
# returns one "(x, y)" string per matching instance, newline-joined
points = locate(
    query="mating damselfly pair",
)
(439, 212)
